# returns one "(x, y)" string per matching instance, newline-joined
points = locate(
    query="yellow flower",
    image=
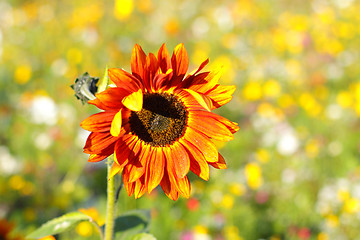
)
(237, 189)
(343, 195)
(94, 214)
(172, 26)
(344, 99)
(74, 56)
(252, 91)
(262, 155)
(286, 101)
(351, 205)
(312, 148)
(310, 105)
(232, 233)
(22, 74)
(84, 229)
(227, 201)
(48, 238)
(322, 236)
(332, 220)
(272, 88)
(123, 9)
(200, 229)
(17, 182)
(253, 175)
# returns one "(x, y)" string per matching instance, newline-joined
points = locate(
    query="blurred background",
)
(293, 167)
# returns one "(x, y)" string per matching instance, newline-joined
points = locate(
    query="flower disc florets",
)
(161, 121)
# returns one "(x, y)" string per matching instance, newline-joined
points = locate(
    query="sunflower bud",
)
(85, 87)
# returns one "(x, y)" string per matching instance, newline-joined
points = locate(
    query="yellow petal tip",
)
(116, 124)
(134, 101)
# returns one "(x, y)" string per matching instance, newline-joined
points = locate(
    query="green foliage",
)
(59, 225)
(132, 223)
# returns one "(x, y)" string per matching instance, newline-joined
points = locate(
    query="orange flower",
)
(158, 122)
(5, 230)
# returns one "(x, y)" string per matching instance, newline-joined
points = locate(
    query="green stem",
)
(110, 209)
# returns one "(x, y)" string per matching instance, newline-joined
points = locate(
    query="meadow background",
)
(293, 167)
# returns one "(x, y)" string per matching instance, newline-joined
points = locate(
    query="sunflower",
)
(158, 123)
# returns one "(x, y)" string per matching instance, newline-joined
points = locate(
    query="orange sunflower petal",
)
(220, 95)
(155, 168)
(134, 101)
(129, 186)
(138, 61)
(198, 164)
(219, 164)
(115, 168)
(136, 168)
(140, 187)
(161, 81)
(125, 80)
(180, 158)
(189, 101)
(203, 143)
(123, 150)
(111, 98)
(182, 184)
(202, 65)
(206, 123)
(97, 142)
(169, 189)
(164, 59)
(180, 60)
(203, 100)
(208, 81)
(99, 122)
(100, 157)
(151, 68)
(96, 102)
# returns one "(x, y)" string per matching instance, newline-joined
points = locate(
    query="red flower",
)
(158, 122)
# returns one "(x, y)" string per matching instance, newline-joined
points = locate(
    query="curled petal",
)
(220, 95)
(204, 82)
(203, 100)
(220, 164)
(116, 124)
(134, 101)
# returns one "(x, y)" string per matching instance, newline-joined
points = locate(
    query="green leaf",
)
(103, 83)
(144, 236)
(59, 225)
(132, 223)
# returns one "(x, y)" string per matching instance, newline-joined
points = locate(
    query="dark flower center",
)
(161, 121)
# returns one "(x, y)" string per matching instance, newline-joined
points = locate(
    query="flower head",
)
(158, 122)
